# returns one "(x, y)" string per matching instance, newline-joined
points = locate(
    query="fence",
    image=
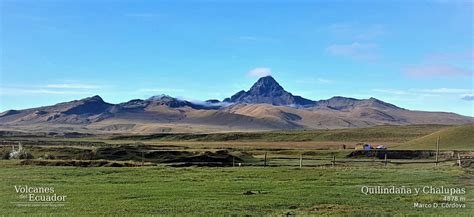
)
(268, 161)
(144, 156)
(302, 161)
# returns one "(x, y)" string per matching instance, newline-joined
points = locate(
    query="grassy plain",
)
(282, 188)
(222, 191)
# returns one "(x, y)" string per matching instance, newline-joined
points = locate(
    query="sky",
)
(417, 55)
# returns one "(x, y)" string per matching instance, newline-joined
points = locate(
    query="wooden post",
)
(459, 160)
(385, 159)
(143, 156)
(333, 160)
(301, 160)
(233, 161)
(437, 151)
(265, 160)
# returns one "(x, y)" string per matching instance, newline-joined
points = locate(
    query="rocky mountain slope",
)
(266, 106)
(267, 90)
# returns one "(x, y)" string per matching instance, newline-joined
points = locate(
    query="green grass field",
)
(452, 138)
(279, 189)
(220, 191)
(372, 134)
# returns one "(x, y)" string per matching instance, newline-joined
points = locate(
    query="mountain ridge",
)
(265, 106)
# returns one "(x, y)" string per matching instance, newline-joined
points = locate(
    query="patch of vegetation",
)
(379, 133)
(82, 163)
(146, 153)
(452, 138)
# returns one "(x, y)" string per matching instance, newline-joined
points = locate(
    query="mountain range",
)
(265, 106)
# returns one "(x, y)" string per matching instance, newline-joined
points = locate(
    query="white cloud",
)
(436, 92)
(405, 93)
(54, 92)
(73, 86)
(259, 72)
(7, 91)
(442, 65)
(440, 70)
(468, 97)
(391, 91)
(60, 88)
(356, 50)
(357, 31)
(445, 90)
(464, 56)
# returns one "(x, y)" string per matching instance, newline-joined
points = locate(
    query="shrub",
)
(5, 155)
(25, 155)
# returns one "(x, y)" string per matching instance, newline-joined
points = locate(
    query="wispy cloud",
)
(450, 56)
(466, 94)
(357, 31)
(53, 92)
(73, 86)
(440, 70)
(468, 97)
(445, 90)
(443, 64)
(362, 35)
(391, 91)
(60, 88)
(259, 72)
(14, 91)
(356, 50)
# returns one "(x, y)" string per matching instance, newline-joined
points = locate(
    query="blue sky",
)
(416, 54)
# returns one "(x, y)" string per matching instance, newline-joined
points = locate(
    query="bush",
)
(48, 157)
(20, 155)
(25, 155)
(5, 155)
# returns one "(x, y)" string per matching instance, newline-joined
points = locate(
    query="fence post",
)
(143, 153)
(265, 161)
(437, 151)
(301, 160)
(233, 161)
(333, 160)
(385, 159)
(459, 160)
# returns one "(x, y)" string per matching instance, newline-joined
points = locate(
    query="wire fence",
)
(333, 161)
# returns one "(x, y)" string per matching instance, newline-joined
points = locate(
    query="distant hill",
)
(266, 106)
(452, 138)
